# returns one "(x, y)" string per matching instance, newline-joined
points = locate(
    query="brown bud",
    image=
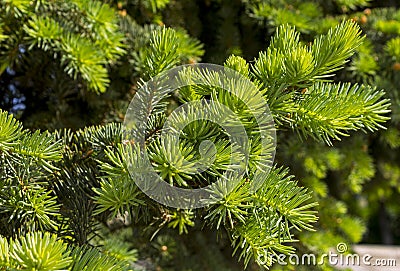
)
(363, 19)
(122, 12)
(367, 11)
(364, 148)
(355, 19)
(396, 66)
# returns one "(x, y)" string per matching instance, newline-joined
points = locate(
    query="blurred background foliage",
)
(86, 72)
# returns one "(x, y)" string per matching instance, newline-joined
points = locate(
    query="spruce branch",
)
(5, 260)
(332, 50)
(230, 204)
(87, 37)
(118, 196)
(354, 107)
(42, 147)
(181, 219)
(282, 195)
(10, 131)
(91, 259)
(259, 239)
(38, 251)
(161, 55)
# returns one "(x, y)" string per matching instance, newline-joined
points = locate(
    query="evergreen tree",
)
(67, 198)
